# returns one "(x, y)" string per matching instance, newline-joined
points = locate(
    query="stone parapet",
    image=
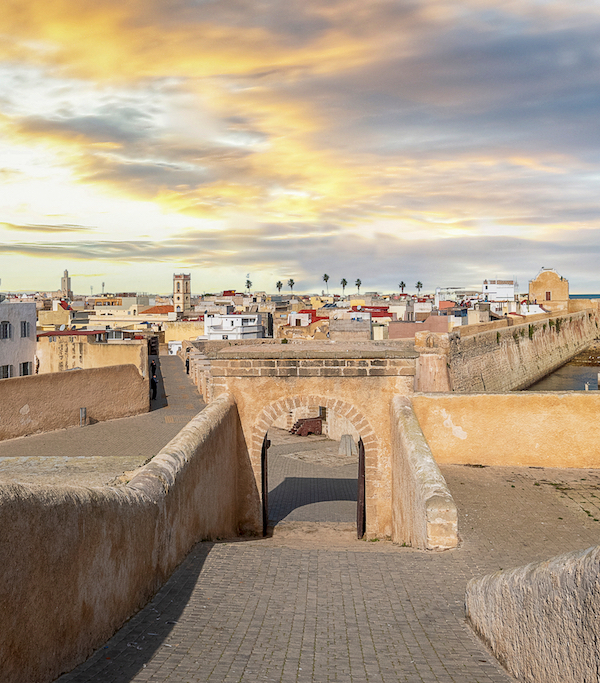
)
(424, 512)
(542, 620)
(313, 367)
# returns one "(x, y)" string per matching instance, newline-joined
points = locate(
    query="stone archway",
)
(274, 410)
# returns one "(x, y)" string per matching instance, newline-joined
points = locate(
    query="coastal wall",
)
(424, 514)
(542, 620)
(78, 561)
(513, 358)
(518, 429)
(41, 403)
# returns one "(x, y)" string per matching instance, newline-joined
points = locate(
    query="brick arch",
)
(276, 409)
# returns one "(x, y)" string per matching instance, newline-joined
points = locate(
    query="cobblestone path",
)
(319, 607)
(98, 453)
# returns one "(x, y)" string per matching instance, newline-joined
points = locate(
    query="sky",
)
(387, 141)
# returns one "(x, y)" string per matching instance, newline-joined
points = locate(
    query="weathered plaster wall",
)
(542, 621)
(41, 403)
(528, 429)
(183, 330)
(82, 351)
(77, 562)
(424, 513)
(517, 356)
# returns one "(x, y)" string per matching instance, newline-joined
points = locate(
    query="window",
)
(548, 296)
(25, 328)
(225, 336)
(25, 369)
(5, 330)
(5, 371)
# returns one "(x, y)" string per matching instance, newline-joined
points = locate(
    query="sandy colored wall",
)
(180, 331)
(41, 403)
(63, 354)
(542, 620)
(516, 357)
(424, 514)
(77, 562)
(527, 429)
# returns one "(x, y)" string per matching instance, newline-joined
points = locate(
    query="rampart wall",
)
(520, 429)
(424, 514)
(542, 620)
(77, 561)
(513, 358)
(41, 403)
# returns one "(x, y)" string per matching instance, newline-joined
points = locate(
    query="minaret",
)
(182, 291)
(65, 286)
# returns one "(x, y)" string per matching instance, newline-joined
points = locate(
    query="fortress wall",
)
(528, 429)
(78, 561)
(541, 621)
(424, 514)
(41, 403)
(515, 357)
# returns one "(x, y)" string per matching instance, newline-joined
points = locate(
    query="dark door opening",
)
(311, 479)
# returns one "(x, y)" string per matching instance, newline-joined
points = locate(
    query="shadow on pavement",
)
(296, 492)
(161, 397)
(136, 642)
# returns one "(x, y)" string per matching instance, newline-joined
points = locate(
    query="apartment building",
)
(17, 339)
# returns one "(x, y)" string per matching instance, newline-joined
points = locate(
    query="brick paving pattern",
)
(94, 455)
(310, 608)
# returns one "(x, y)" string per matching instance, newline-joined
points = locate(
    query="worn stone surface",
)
(424, 513)
(541, 620)
(529, 429)
(317, 605)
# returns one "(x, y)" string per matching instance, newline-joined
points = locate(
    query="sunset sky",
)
(438, 141)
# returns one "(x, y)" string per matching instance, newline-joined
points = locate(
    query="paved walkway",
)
(312, 605)
(98, 454)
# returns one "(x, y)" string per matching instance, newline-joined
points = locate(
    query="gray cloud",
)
(46, 228)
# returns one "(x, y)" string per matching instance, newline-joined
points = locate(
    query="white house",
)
(17, 339)
(499, 290)
(233, 326)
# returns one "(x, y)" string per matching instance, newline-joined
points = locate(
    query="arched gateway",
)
(356, 384)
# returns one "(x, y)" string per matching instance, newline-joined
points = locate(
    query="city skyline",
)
(439, 141)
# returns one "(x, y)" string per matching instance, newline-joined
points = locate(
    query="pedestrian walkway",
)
(321, 607)
(99, 453)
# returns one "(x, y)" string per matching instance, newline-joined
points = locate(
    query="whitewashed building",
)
(499, 290)
(17, 339)
(233, 326)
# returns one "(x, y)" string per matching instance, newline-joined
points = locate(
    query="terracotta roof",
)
(161, 310)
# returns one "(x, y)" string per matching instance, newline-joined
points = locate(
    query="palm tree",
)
(248, 286)
(344, 282)
(402, 285)
(326, 281)
(291, 284)
(279, 285)
(419, 286)
(358, 283)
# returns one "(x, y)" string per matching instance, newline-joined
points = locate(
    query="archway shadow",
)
(122, 657)
(297, 492)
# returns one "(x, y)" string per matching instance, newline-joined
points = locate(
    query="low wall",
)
(542, 621)
(41, 403)
(529, 429)
(77, 561)
(517, 356)
(424, 514)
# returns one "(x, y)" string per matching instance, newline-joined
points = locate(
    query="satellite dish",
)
(62, 328)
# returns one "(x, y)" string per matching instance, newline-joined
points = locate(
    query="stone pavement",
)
(311, 604)
(99, 453)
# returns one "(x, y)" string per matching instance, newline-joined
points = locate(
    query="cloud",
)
(46, 228)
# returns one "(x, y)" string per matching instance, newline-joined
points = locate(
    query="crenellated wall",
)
(513, 358)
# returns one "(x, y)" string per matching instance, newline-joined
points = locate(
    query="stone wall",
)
(77, 562)
(41, 403)
(520, 429)
(424, 512)
(542, 621)
(515, 357)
